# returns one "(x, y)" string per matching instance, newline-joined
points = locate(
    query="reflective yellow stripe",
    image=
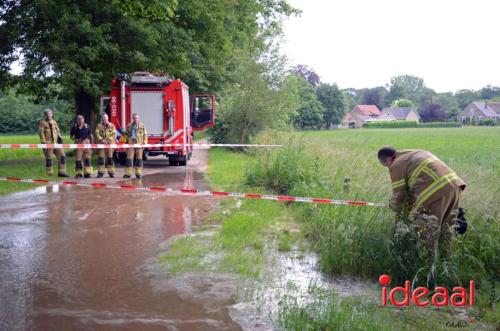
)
(430, 172)
(434, 187)
(398, 183)
(417, 171)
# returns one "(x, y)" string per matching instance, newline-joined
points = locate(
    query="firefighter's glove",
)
(461, 221)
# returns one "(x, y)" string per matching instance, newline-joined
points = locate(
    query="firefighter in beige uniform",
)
(136, 134)
(425, 185)
(105, 134)
(50, 134)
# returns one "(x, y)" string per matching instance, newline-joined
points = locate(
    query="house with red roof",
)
(359, 115)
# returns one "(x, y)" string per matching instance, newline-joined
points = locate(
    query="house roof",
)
(399, 113)
(489, 109)
(495, 106)
(370, 110)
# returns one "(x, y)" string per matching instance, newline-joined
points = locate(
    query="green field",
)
(26, 163)
(366, 241)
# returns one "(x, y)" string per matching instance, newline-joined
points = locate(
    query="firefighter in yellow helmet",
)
(81, 134)
(429, 191)
(50, 134)
(136, 134)
(105, 134)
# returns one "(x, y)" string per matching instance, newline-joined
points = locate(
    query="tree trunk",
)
(86, 106)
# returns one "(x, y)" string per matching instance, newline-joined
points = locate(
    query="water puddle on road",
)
(73, 258)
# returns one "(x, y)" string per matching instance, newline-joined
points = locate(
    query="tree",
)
(307, 73)
(82, 45)
(465, 97)
(332, 100)
(432, 112)
(489, 92)
(409, 87)
(255, 102)
(310, 114)
(403, 103)
(448, 104)
(375, 96)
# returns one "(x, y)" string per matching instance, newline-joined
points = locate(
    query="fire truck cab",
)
(164, 105)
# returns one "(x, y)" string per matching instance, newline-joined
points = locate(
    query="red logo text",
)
(419, 296)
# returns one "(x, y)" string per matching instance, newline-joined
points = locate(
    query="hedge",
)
(390, 124)
(440, 125)
(410, 124)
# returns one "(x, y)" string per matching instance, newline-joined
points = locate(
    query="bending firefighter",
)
(430, 191)
(50, 134)
(81, 134)
(136, 134)
(105, 134)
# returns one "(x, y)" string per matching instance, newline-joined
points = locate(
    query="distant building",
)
(359, 115)
(399, 114)
(480, 110)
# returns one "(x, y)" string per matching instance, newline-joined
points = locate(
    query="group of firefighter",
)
(425, 190)
(105, 133)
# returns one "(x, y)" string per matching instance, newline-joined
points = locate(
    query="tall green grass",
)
(366, 240)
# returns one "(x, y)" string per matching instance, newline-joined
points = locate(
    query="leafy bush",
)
(19, 115)
(488, 122)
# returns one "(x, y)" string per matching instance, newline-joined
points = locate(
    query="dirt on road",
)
(76, 258)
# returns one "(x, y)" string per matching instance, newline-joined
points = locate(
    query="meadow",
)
(367, 241)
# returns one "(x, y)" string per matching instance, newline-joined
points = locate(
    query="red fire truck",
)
(169, 114)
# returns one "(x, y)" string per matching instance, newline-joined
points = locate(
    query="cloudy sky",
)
(363, 43)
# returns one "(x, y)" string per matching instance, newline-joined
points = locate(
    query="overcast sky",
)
(363, 43)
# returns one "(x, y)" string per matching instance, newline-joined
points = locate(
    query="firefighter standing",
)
(105, 134)
(136, 134)
(425, 185)
(50, 134)
(81, 134)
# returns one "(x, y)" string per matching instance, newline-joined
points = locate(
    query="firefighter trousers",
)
(86, 153)
(61, 160)
(437, 220)
(105, 160)
(130, 160)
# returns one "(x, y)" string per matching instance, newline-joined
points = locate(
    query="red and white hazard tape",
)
(163, 189)
(100, 146)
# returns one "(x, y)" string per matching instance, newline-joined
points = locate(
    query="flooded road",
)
(75, 258)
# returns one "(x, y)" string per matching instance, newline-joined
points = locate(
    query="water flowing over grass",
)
(367, 240)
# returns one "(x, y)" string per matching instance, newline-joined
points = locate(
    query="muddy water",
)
(80, 259)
